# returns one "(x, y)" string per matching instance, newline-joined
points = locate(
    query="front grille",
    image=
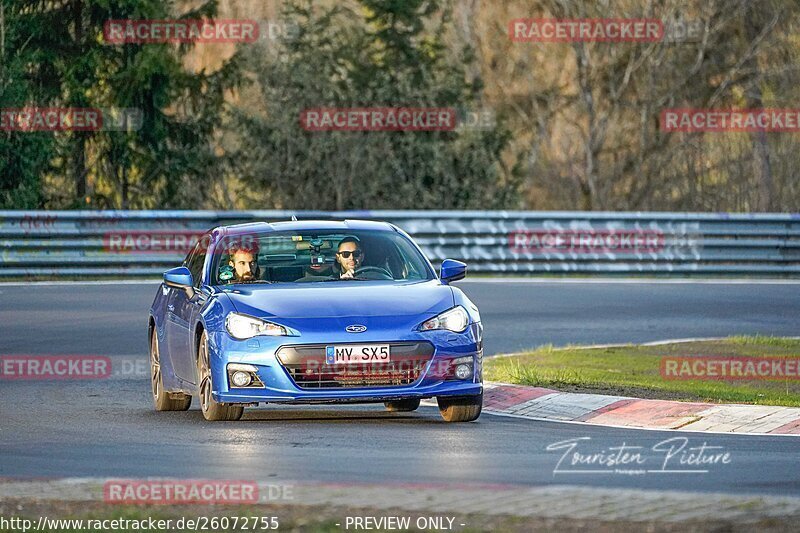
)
(307, 368)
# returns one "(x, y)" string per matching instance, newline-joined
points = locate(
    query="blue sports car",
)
(314, 312)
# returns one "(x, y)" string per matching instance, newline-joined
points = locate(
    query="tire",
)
(400, 406)
(212, 410)
(464, 409)
(161, 398)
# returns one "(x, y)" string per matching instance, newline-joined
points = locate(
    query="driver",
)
(242, 260)
(349, 257)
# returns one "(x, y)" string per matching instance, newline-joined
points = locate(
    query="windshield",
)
(318, 256)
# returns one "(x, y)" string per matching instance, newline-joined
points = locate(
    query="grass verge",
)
(635, 370)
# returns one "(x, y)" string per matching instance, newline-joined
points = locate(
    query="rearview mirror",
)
(178, 277)
(452, 270)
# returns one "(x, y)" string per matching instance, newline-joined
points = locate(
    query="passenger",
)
(243, 261)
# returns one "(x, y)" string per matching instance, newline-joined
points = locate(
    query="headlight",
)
(455, 319)
(243, 327)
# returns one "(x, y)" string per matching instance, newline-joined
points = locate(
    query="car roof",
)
(306, 225)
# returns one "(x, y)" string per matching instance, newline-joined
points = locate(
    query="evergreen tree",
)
(380, 54)
(57, 57)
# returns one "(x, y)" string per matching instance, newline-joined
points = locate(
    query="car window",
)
(195, 262)
(308, 256)
(189, 255)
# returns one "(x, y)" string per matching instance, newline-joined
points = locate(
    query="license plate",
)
(344, 354)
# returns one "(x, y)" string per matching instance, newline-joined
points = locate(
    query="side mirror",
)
(178, 277)
(452, 270)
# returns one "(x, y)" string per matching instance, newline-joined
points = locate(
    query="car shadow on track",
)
(335, 415)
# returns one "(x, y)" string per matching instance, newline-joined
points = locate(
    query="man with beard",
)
(243, 261)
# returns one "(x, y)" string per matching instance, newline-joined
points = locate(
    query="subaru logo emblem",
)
(355, 328)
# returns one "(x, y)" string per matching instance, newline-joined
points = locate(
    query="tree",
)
(170, 159)
(586, 115)
(25, 74)
(375, 54)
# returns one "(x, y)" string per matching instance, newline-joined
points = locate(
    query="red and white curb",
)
(618, 411)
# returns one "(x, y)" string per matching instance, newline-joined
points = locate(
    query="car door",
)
(180, 313)
(190, 309)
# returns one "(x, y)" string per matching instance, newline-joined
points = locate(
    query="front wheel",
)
(402, 405)
(212, 410)
(463, 409)
(162, 400)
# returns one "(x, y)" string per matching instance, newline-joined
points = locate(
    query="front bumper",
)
(360, 395)
(279, 387)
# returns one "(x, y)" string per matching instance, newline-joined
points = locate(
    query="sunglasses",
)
(347, 253)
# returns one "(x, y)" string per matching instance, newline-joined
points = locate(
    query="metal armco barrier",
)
(97, 244)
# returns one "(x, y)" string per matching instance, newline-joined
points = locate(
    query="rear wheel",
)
(463, 409)
(163, 400)
(402, 405)
(212, 410)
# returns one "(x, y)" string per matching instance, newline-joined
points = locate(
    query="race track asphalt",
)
(107, 428)
(111, 319)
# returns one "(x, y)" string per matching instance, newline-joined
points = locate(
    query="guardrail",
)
(137, 243)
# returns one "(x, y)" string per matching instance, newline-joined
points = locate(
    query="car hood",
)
(344, 299)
